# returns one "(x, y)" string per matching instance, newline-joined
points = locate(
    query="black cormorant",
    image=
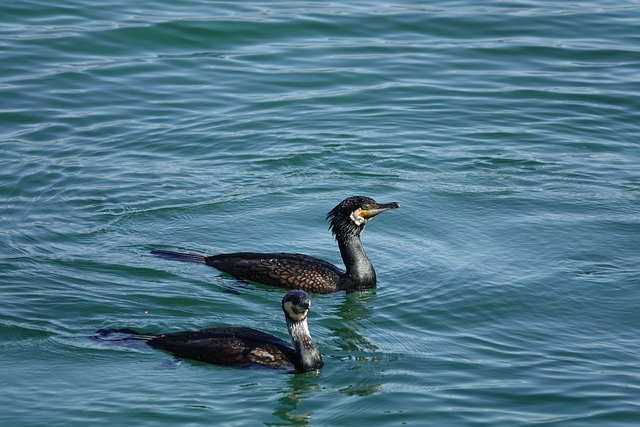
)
(298, 271)
(239, 346)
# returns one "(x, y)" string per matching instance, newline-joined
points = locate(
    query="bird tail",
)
(179, 256)
(124, 338)
(120, 335)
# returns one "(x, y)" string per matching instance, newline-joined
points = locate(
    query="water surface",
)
(507, 282)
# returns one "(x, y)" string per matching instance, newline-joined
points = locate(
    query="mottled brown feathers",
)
(233, 346)
(291, 271)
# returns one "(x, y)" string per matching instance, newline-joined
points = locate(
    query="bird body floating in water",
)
(239, 346)
(298, 271)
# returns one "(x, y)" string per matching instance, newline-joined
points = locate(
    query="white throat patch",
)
(356, 218)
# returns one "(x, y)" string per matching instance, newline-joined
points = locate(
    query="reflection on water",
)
(355, 308)
(298, 388)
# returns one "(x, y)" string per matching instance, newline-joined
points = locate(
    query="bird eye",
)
(364, 207)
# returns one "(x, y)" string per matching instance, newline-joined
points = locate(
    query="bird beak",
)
(303, 306)
(370, 213)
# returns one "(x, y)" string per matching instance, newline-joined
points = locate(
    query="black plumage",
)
(298, 271)
(239, 346)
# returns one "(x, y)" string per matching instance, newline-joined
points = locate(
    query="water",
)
(508, 282)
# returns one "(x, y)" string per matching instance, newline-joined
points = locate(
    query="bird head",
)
(352, 214)
(296, 304)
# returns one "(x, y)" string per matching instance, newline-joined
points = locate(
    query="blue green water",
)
(508, 283)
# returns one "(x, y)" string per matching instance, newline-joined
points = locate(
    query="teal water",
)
(508, 282)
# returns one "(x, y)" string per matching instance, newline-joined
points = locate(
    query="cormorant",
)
(298, 271)
(239, 346)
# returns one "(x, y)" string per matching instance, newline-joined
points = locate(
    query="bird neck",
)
(360, 272)
(309, 357)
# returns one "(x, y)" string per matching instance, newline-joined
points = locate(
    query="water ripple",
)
(507, 283)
